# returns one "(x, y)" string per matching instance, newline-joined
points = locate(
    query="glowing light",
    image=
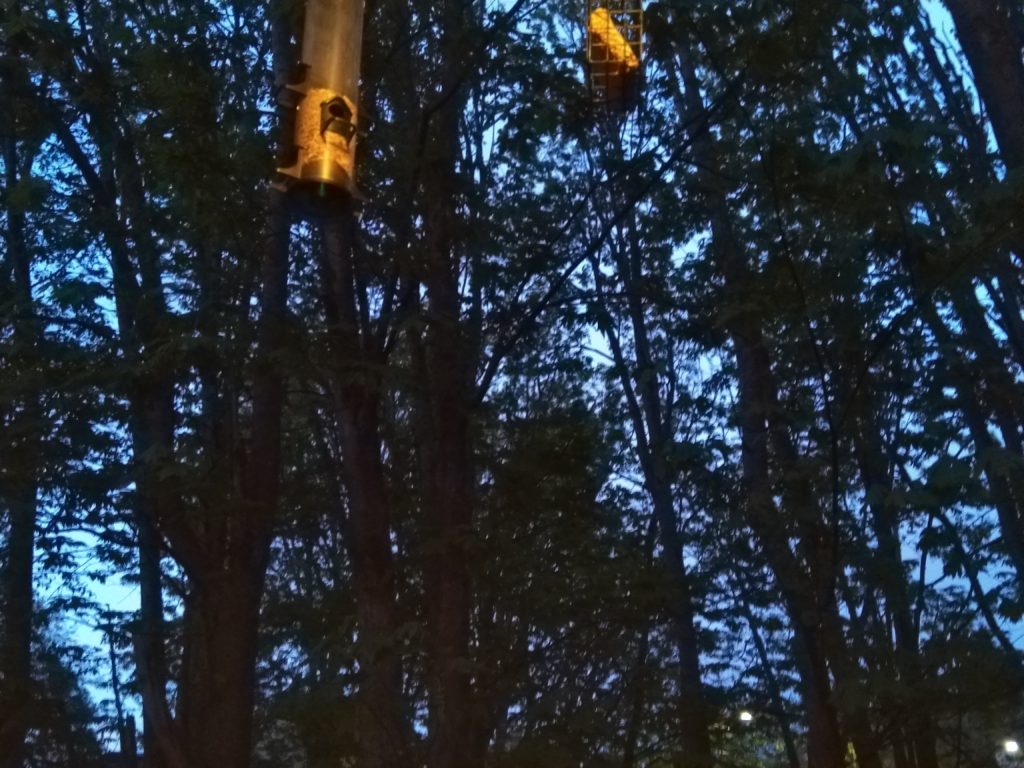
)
(746, 717)
(1011, 747)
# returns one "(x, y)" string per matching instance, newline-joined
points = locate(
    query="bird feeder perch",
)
(615, 30)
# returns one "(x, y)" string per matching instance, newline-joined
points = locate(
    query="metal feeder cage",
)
(615, 32)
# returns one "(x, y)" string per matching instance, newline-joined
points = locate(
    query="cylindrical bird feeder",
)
(323, 104)
(615, 32)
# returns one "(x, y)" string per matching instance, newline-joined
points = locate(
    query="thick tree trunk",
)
(460, 716)
(813, 591)
(150, 633)
(18, 494)
(19, 468)
(217, 689)
(826, 746)
(225, 569)
(217, 685)
(457, 737)
(694, 716)
(152, 429)
(458, 730)
(991, 41)
(16, 701)
(384, 730)
(806, 583)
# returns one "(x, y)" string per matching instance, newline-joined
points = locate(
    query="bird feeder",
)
(321, 105)
(615, 30)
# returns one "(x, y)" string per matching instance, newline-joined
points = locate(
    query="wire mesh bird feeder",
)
(615, 31)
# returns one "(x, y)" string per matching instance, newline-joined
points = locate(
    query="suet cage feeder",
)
(615, 32)
(320, 105)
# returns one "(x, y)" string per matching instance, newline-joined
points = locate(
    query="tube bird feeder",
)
(321, 104)
(615, 30)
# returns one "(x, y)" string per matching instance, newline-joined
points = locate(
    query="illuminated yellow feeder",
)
(615, 30)
(322, 105)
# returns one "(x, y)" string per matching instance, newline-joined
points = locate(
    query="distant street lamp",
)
(1011, 747)
(746, 717)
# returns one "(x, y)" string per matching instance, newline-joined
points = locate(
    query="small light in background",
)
(1011, 747)
(746, 717)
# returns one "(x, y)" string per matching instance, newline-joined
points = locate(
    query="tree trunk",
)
(448, 481)
(694, 713)
(217, 689)
(635, 702)
(877, 483)
(150, 634)
(756, 400)
(20, 457)
(217, 683)
(460, 720)
(991, 41)
(826, 748)
(152, 431)
(646, 410)
(384, 730)
(694, 718)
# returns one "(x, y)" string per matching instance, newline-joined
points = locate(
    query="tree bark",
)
(20, 457)
(992, 44)
(357, 391)
(224, 555)
(877, 479)
(460, 723)
(646, 411)
(826, 747)
(807, 607)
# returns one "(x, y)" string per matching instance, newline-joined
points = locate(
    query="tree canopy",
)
(689, 435)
